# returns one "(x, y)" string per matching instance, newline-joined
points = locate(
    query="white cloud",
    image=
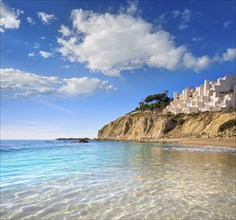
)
(18, 11)
(85, 85)
(186, 15)
(132, 7)
(30, 20)
(65, 31)
(22, 84)
(229, 55)
(197, 64)
(67, 66)
(176, 13)
(227, 24)
(45, 54)
(31, 54)
(181, 18)
(113, 43)
(183, 26)
(197, 39)
(9, 18)
(46, 18)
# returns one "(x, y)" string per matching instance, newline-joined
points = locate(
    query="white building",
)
(211, 96)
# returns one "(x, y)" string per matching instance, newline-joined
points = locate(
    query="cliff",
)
(153, 127)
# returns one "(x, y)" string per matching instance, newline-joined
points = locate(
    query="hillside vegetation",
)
(155, 102)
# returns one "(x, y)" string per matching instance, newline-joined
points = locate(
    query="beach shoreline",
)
(217, 142)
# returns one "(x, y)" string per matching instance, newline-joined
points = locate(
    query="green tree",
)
(149, 98)
(155, 101)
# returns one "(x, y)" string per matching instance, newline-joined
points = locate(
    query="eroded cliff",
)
(153, 127)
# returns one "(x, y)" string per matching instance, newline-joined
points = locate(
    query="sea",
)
(49, 179)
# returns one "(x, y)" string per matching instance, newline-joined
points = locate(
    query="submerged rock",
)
(80, 140)
(83, 140)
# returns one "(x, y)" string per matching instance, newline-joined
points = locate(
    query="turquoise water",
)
(115, 180)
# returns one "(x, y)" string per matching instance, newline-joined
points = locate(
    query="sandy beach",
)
(218, 142)
(221, 142)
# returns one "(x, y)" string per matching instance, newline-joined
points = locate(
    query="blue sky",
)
(70, 67)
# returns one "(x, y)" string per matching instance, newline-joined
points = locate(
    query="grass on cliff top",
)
(170, 115)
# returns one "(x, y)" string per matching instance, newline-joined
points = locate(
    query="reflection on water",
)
(115, 180)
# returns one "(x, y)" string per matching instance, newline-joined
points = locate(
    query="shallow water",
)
(115, 180)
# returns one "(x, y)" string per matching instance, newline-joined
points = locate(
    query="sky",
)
(70, 67)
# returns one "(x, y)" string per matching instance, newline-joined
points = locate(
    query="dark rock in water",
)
(80, 140)
(83, 140)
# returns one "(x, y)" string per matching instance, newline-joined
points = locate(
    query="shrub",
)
(194, 114)
(227, 125)
(180, 121)
(169, 114)
(233, 109)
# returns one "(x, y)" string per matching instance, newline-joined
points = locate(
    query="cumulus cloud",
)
(85, 85)
(229, 55)
(132, 7)
(9, 18)
(45, 54)
(65, 31)
(30, 20)
(46, 18)
(111, 43)
(18, 83)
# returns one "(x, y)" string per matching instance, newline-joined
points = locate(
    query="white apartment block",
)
(217, 95)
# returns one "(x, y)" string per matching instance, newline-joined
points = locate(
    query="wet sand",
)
(221, 142)
(190, 141)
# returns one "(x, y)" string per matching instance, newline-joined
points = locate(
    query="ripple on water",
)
(122, 181)
(208, 149)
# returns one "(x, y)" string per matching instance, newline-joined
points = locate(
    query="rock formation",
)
(153, 127)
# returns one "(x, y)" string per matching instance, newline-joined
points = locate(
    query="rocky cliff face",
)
(152, 127)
